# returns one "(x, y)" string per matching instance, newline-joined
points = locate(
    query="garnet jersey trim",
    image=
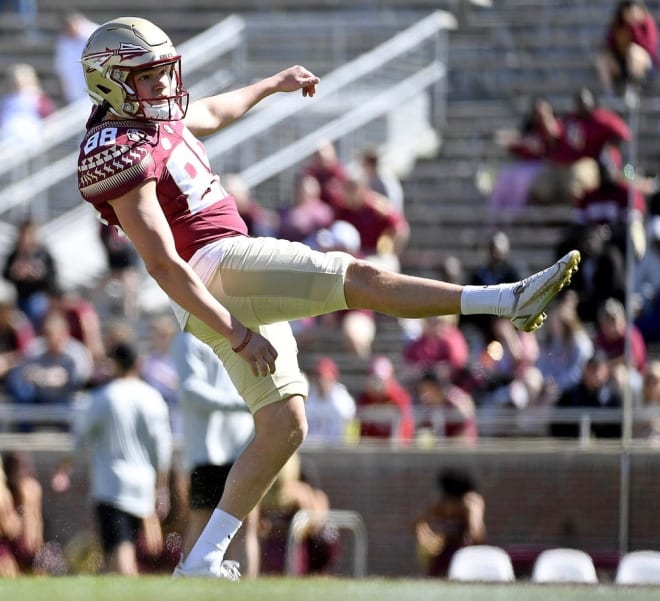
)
(118, 164)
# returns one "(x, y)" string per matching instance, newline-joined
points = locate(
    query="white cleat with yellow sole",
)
(534, 293)
(225, 569)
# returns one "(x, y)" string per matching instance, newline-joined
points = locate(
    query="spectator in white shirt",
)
(330, 406)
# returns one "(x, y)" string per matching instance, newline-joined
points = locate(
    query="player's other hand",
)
(298, 78)
(260, 354)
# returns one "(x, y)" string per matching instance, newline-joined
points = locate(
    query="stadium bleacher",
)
(499, 56)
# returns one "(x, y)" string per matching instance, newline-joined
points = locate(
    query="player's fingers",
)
(264, 367)
(271, 365)
(254, 366)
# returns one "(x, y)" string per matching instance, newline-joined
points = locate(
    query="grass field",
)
(109, 588)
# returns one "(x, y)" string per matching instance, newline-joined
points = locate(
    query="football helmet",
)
(115, 51)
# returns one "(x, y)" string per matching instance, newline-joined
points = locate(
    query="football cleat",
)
(534, 293)
(225, 569)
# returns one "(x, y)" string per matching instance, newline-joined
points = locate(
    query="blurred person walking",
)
(127, 427)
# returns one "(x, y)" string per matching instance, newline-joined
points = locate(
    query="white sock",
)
(488, 300)
(215, 538)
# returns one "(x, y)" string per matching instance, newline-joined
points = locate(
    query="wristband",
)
(246, 340)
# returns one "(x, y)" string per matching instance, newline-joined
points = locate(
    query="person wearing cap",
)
(330, 406)
(382, 390)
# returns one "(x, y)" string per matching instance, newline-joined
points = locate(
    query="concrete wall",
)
(535, 498)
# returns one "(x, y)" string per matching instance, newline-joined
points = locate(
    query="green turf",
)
(109, 588)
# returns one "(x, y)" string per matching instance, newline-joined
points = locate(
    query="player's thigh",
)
(266, 280)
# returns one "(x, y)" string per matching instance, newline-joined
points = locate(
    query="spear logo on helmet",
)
(125, 51)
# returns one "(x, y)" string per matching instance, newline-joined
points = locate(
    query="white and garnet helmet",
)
(121, 47)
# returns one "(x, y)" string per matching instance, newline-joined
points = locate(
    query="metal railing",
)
(503, 423)
(341, 519)
(430, 423)
(392, 97)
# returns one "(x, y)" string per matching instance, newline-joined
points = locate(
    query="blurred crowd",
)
(454, 379)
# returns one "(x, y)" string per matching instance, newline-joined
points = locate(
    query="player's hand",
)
(298, 78)
(260, 354)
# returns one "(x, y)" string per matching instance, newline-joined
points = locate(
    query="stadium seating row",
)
(488, 563)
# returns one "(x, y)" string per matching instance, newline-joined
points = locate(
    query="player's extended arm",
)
(207, 115)
(143, 221)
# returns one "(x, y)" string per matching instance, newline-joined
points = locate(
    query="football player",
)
(145, 170)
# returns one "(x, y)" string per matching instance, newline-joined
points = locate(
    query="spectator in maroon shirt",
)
(608, 205)
(326, 167)
(16, 333)
(529, 147)
(588, 130)
(453, 520)
(440, 342)
(538, 133)
(611, 340)
(384, 232)
(590, 142)
(309, 213)
(382, 389)
(630, 50)
(445, 410)
(610, 337)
